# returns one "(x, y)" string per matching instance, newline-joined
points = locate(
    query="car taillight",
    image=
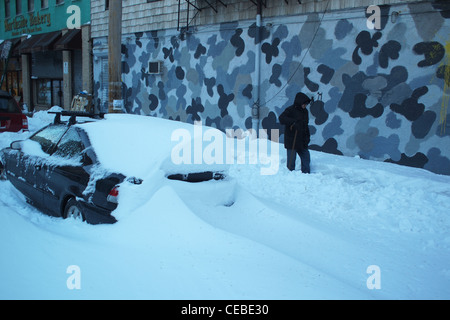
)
(113, 195)
(24, 122)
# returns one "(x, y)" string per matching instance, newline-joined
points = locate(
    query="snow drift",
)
(251, 236)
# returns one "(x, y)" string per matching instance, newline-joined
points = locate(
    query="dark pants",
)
(304, 157)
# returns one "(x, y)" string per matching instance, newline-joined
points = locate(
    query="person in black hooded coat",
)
(296, 133)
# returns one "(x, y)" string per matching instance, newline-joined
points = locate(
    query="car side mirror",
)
(16, 145)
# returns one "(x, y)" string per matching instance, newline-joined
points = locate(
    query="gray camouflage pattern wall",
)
(381, 94)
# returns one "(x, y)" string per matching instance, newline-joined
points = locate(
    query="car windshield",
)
(49, 137)
(8, 105)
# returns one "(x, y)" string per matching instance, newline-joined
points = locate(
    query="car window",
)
(8, 105)
(70, 145)
(49, 137)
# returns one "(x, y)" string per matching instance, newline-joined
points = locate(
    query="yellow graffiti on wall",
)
(445, 65)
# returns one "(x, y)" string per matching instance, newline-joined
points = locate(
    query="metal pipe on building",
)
(255, 108)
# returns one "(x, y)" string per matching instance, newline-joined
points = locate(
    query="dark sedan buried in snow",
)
(74, 169)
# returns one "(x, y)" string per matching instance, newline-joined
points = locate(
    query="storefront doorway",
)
(48, 93)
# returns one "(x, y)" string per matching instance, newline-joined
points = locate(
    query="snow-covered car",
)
(75, 168)
(11, 117)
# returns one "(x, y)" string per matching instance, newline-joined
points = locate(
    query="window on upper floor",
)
(7, 8)
(59, 2)
(106, 4)
(30, 5)
(18, 7)
(44, 4)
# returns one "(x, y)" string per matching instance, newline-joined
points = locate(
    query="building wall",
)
(140, 16)
(137, 16)
(384, 93)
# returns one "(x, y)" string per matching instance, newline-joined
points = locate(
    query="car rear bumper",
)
(96, 215)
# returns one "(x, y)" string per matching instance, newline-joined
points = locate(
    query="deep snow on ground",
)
(252, 236)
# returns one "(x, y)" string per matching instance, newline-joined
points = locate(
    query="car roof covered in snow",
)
(137, 145)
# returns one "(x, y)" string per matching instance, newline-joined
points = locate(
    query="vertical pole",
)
(114, 54)
(187, 18)
(26, 81)
(67, 79)
(255, 108)
(178, 23)
(86, 48)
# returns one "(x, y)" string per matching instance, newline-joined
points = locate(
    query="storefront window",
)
(12, 78)
(48, 93)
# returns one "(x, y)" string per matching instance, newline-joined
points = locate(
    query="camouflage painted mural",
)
(380, 93)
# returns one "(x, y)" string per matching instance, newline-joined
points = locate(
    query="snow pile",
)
(251, 236)
(42, 118)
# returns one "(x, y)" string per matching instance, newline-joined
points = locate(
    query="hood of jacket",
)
(301, 98)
